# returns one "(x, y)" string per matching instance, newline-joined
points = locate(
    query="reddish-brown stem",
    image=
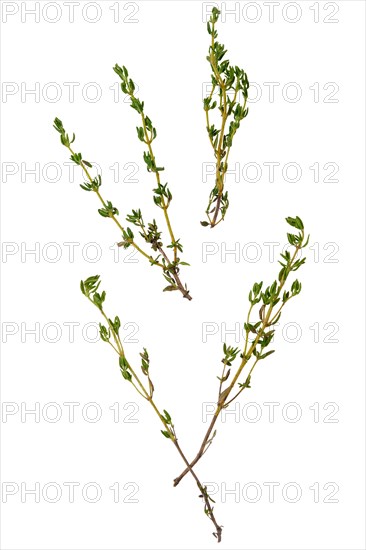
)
(203, 491)
(217, 210)
(200, 452)
(174, 274)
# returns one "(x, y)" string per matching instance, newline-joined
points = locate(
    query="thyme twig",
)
(162, 195)
(110, 331)
(263, 330)
(230, 81)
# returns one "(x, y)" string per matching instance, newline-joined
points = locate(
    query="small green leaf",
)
(267, 353)
(168, 418)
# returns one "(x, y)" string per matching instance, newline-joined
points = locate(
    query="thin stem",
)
(247, 330)
(221, 176)
(148, 140)
(243, 387)
(208, 119)
(217, 210)
(175, 275)
(226, 160)
(201, 450)
(203, 490)
(120, 349)
(115, 349)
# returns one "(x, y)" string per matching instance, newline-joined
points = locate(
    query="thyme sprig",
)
(162, 195)
(109, 333)
(149, 232)
(259, 332)
(232, 85)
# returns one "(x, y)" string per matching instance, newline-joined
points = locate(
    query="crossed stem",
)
(147, 394)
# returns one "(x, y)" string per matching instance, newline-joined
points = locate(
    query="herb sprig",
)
(149, 232)
(232, 85)
(269, 303)
(162, 195)
(109, 333)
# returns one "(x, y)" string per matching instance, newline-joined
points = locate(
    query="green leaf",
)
(246, 384)
(126, 375)
(123, 362)
(168, 418)
(295, 222)
(267, 353)
(117, 324)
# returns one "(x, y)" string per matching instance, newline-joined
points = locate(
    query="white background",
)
(165, 51)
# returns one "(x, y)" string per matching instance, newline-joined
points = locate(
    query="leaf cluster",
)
(265, 300)
(231, 83)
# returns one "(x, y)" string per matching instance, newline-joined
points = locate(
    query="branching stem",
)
(266, 320)
(89, 289)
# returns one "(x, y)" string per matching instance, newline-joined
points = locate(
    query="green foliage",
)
(124, 367)
(136, 218)
(89, 288)
(167, 417)
(110, 334)
(216, 201)
(255, 293)
(98, 299)
(265, 300)
(108, 211)
(230, 354)
(59, 127)
(145, 362)
(77, 158)
(153, 236)
(104, 333)
(178, 246)
(246, 384)
(162, 195)
(90, 285)
(150, 163)
(295, 222)
(271, 296)
(116, 324)
(128, 237)
(162, 192)
(93, 185)
(231, 83)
